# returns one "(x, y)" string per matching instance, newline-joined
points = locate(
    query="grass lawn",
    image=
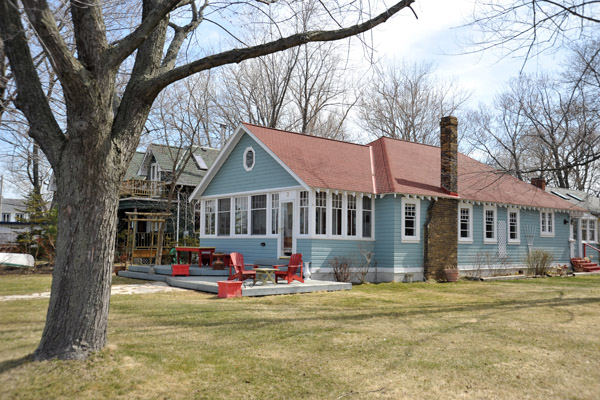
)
(532, 339)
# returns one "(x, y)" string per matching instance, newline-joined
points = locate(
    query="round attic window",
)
(249, 159)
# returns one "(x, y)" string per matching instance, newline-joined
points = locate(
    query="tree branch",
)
(156, 84)
(69, 70)
(31, 100)
(124, 47)
(90, 32)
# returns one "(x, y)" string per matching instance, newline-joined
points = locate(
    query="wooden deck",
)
(205, 280)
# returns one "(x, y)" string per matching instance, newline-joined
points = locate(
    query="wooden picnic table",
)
(208, 251)
(265, 274)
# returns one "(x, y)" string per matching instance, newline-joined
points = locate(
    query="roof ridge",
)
(307, 135)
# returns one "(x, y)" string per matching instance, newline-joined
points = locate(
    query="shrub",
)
(538, 262)
(342, 269)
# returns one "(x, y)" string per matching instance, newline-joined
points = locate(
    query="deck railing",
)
(142, 188)
(149, 240)
(591, 247)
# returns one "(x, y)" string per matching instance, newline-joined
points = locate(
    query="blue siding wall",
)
(482, 254)
(387, 230)
(320, 251)
(233, 178)
(249, 247)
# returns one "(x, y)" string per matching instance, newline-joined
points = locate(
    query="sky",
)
(440, 35)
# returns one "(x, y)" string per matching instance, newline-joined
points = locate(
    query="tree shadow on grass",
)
(7, 365)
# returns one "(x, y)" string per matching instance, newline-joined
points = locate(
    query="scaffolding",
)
(142, 246)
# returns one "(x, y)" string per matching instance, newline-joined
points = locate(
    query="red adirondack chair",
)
(293, 266)
(237, 271)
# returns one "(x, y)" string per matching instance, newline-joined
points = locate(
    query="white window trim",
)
(495, 238)
(518, 239)
(595, 222)
(249, 168)
(417, 237)
(547, 234)
(470, 238)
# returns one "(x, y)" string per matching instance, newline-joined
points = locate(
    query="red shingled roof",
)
(319, 162)
(399, 166)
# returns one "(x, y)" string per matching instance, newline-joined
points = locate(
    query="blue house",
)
(413, 209)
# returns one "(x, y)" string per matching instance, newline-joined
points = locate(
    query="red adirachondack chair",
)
(239, 273)
(293, 266)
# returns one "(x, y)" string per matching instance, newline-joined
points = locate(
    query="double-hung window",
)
(351, 227)
(259, 214)
(546, 223)
(410, 220)
(366, 217)
(241, 215)
(224, 217)
(489, 225)
(209, 217)
(465, 223)
(336, 214)
(304, 212)
(514, 225)
(588, 230)
(321, 213)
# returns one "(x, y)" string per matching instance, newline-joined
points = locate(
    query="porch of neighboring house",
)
(206, 279)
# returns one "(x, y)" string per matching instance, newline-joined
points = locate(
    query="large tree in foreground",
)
(90, 153)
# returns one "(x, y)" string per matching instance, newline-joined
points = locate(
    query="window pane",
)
(584, 235)
(209, 217)
(241, 215)
(275, 213)
(304, 213)
(259, 214)
(513, 226)
(464, 223)
(351, 230)
(224, 215)
(489, 224)
(366, 217)
(321, 213)
(410, 223)
(336, 214)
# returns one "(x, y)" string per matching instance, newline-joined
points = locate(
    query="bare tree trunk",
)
(77, 319)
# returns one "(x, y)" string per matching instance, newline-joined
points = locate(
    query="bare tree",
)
(404, 101)
(91, 152)
(540, 126)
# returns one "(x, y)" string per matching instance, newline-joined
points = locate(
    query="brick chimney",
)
(539, 183)
(449, 154)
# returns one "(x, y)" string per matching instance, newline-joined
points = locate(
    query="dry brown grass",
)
(535, 339)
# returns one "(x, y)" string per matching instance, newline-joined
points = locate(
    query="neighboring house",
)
(11, 220)
(146, 184)
(584, 230)
(418, 208)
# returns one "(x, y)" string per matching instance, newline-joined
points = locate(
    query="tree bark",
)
(87, 205)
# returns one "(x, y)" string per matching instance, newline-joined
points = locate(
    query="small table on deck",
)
(199, 250)
(265, 274)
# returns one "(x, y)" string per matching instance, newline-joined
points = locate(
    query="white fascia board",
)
(220, 160)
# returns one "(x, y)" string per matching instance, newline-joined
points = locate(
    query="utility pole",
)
(1, 192)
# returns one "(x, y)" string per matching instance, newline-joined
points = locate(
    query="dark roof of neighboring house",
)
(134, 166)
(579, 198)
(395, 166)
(193, 171)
